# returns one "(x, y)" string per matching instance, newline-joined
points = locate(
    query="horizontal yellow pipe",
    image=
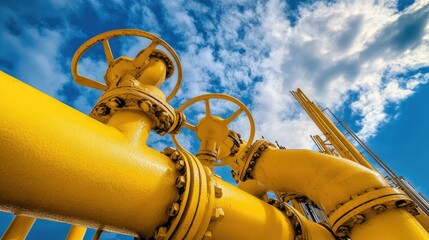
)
(394, 224)
(18, 228)
(325, 179)
(58, 163)
(247, 217)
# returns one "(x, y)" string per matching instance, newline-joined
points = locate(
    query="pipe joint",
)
(147, 99)
(194, 215)
(303, 228)
(251, 155)
(362, 207)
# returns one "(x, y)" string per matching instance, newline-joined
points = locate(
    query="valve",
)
(128, 65)
(132, 83)
(213, 131)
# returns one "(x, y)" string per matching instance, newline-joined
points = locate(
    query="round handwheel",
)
(214, 129)
(138, 61)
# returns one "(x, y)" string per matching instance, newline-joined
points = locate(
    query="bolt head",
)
(180, 165)
(218, 214)
(173, 210)
(102, 110)
(358, 219)
(175, 156)
(218, 191)
(146, 106)
(168, 151)
(181, 182)
(343, 231)
(160, 233)
(208, 235)
(379, 208)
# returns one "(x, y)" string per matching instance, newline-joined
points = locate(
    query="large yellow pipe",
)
(325, 179)
(247, 217)
(331, 183)
(390, 225)
(58, 163)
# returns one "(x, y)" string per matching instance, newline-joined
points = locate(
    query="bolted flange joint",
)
(147, 100)
(250, 158)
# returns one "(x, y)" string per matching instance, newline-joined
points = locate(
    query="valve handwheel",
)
(213, 130)
(137, 62)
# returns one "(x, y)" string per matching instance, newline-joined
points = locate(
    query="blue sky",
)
(368, 61)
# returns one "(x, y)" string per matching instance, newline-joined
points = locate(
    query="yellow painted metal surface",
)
(135, 64)
(18, 228)
(247, 217)
(76, 233)
(390, 225)
(325, 179)
(213, 131)
(70, 167)
(57, 163)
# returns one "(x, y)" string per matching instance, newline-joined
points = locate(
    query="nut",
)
(358, 219)
(343, 231)
(174, 156)
(208, 235)
(173, 210)
(168, 151)
(180, 165)
(218, 214)
(160, 233)
(102, 110)
(181, 182)
(379, 208)
(299, 237)
(146, 105)
(218, 191)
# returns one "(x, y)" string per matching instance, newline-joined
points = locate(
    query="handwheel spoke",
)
(140, 60)
(208, 113)
(107, 51)
(233, 116)
(189, 126)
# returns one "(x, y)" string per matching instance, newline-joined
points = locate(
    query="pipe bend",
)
(325, 179)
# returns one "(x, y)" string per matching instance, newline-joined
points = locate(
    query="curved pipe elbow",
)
(325, 179)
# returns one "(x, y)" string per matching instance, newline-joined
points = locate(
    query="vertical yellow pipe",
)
(18, 228)
(76, 233)
(330, 136)
(349, 147)
(322, 143)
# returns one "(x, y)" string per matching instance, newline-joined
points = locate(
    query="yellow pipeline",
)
(325, 179)
(60, 164)
(247, 217)
(390, 225)
(331, 183)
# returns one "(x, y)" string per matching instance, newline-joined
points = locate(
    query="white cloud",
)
(33, 54)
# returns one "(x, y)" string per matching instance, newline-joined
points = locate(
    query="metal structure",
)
(98, 172)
